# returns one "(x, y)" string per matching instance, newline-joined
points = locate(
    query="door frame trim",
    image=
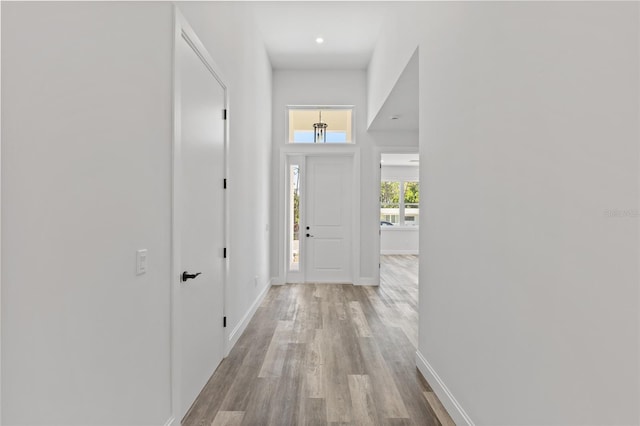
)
(182, 30)
(377, 157)
(313, 151)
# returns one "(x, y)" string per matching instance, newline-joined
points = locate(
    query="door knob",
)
(187, 276)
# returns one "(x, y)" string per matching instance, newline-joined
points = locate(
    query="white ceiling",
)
(350, 31)
(402, 102)
(408, 159)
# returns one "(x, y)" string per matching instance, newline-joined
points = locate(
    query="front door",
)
(201, 219)
(328, 219)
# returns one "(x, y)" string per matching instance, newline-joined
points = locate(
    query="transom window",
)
(320, 124)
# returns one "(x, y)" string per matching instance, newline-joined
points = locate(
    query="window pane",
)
(294, 232)
(389, 203)
(338, 129)
(411, 203)
(303, 136)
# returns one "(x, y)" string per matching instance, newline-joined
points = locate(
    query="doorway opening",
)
(399, 235)
(399, 203)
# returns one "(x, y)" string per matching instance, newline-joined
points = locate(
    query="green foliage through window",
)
(412, 194)
(389, 194)
(399, 202)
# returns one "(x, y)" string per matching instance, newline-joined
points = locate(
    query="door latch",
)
(188, 276)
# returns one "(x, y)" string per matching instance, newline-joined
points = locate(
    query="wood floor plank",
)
(276, 354)
(227, 387)
(313, 412)
(334, 375)
(228, 418)
(399, 355)
(326, 354)
(314, 367)
(387, 396)
(364, 410)
(285, 400)
(359, 320)
(259, 401)
(438, 409)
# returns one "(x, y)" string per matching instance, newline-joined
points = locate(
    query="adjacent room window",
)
(399, 203)
(411, 197)
(390, 203)
(319, 125)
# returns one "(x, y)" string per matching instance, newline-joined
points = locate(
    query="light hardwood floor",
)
(326, 354)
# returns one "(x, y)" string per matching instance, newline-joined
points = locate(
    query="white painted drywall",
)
(296, 87)
(86, 178)
(86, 182)
(399, 240)
(529, 164)
(392, 139)
(394, 49)
(404, 173)
(229, 33)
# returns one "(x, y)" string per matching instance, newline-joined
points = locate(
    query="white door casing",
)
(200, 211)
(328, 216)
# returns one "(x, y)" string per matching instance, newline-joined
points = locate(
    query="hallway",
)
(326, 354)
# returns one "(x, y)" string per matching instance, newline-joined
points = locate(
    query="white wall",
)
(393, 51)
(86, 179)
(528, 143)
(86, 157)
(405, 173)
(399, 240)
(228, 31)
(392, 140)
(345, 87)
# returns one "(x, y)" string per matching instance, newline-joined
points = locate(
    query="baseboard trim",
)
(366, 281)
(170, 421)
(455, 410)
(405, 252)
(239, 329)
(277, 281)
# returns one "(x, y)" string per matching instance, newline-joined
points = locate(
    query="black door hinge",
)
(224, 183)
(224, 321)
(224, 252)
(224, 114)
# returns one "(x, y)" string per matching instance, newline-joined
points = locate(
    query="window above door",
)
(320, 124)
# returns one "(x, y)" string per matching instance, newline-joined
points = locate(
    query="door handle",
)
(188, 276)
(309, 235)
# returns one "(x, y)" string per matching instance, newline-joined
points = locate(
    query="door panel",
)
(328, 216)
(201, 223)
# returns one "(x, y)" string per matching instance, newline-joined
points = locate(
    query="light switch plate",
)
(141, 261)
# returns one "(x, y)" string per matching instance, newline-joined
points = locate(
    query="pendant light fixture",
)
(320, 131)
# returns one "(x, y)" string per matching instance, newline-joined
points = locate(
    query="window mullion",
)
(401, 203)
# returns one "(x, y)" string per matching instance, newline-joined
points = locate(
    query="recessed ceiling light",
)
(319, 40)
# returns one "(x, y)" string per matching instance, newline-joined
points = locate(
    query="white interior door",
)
(328, 217)
(201, 211)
